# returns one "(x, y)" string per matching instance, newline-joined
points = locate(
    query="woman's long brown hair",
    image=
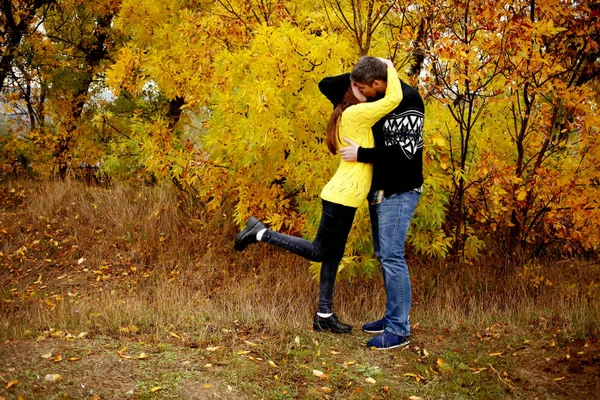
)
(332, 137)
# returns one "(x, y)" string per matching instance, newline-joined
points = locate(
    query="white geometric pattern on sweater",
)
(405, 130)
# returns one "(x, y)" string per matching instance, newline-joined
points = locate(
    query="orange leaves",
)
(417, 377)
(10, 384)
(122, 353)
(524, 77)
(547, 28)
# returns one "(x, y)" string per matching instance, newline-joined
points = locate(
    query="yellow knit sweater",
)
(352, 180)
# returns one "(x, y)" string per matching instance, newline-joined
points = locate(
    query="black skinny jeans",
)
(327, 247)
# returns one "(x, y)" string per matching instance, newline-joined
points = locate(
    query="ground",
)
(500, 362)
(100, 300)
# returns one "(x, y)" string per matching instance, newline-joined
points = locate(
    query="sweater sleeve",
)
(370, 113)
(371, 155)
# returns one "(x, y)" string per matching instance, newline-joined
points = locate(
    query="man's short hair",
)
(369, 69)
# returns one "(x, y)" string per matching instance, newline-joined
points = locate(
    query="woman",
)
(352, 118)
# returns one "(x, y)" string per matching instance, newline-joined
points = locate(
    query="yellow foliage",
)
(222, 99)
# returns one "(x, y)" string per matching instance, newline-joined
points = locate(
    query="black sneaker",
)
(331, 323)
(248, 235)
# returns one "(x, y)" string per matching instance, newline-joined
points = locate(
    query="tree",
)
(17, 18)
(361, 18)
(554, 123)
(463, 56)
(80, 35)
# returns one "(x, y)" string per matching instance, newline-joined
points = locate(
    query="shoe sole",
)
(372, 331)
(392, 347)
(318, 328)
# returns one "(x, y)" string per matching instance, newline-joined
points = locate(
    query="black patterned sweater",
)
(398, 154)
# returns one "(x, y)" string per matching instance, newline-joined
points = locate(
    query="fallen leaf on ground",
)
(155, 389)
(47, 356)
(11, 384)
(121, 353)
(326, 389)
(213, 348)
(53, 377)
(173, 334)
(559, 379)
(73, 358)
(495, 354)
(415, 398)
(272, 364)
(320, 375)
(370, 380)
(477, 370)
(242, 352)
(142, 356)
(417, 377)
(207, 386)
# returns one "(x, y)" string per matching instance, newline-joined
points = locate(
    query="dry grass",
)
(154, 260)
(144, 269)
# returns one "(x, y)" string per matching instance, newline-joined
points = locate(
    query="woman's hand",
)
(387, 62)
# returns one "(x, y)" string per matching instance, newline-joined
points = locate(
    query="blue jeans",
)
(390, 220)
(327, 247)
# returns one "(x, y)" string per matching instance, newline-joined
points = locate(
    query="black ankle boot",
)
(331, 323)
(248, 235)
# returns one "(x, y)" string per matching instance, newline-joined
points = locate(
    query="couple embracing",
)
(377, 127)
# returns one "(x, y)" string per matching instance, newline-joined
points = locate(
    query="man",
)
(395, 190)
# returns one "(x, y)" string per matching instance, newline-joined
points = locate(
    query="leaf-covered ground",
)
(499, 362)
(100, 305)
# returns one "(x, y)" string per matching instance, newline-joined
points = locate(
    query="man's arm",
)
(353, 152)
